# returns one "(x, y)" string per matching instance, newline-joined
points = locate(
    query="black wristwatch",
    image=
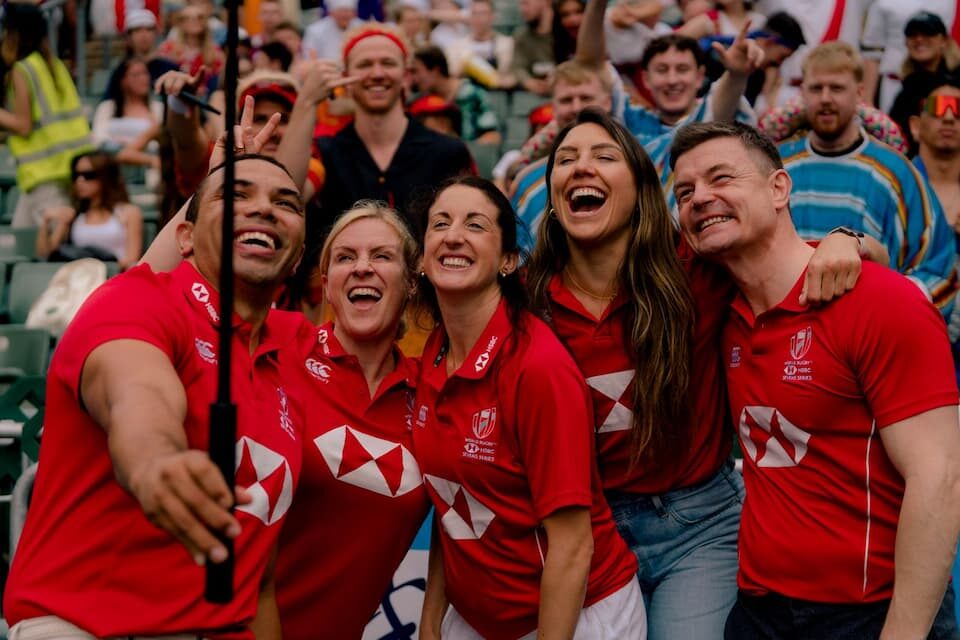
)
(849, 232)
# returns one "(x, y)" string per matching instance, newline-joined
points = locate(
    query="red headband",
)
(352, 42)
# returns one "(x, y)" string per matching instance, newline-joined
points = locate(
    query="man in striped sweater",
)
(843, 177)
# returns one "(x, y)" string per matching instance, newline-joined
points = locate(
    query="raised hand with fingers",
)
(246, 140)
(319, 77)
(743, 56)
(172, 83)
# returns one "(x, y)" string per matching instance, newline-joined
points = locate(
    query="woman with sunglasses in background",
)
(100, 221)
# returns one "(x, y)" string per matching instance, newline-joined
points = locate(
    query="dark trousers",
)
(776, 617)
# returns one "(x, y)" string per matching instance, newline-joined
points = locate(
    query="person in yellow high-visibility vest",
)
(43, 114)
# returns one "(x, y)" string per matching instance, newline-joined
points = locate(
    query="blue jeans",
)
(685, 542)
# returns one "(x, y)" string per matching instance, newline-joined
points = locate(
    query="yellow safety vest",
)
(60, 131)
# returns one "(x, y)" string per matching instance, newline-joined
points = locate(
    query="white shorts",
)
(54, 628)
(619, 616)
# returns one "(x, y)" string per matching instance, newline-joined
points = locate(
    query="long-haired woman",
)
(129, 119)
(192, 45)
(642, 319)
(99, 216)
(525, 544)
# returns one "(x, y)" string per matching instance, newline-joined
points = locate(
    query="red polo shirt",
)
(88, 554)
(503, 443)
(600, 349)
(361, 498)
(810, 389)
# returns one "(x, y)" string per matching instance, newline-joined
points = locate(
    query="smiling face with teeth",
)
(366, 280)
(673, 78)
(381, 67)
(592, 188)
(268, 225)
(729, 198)
(463, 244)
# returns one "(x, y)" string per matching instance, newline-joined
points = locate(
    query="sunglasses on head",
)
(937, 106)
(86, 175)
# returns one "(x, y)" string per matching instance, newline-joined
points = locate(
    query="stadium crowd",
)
(653, 302)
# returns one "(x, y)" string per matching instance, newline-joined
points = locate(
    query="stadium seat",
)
(500, 103)
(523, 102)
(486, 156)
(23, 351)
(19, 503)
(29, 280)
(15, 243)
(9, 202)
(518, 130)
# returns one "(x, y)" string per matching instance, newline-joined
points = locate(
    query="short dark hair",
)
(278, 51)
(695, 134)
(784, 26)
(193, 207)
(669, 41)
(433, 58)
(921, 84)
(512, 288)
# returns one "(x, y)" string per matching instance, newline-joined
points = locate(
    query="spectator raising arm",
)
(320, 78)
(740, 59)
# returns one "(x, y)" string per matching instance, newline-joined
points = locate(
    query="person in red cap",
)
(437, 114)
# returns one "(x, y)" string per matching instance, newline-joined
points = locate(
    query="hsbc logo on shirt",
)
(463, 517)
(770, 440)
(269, 480)
(610, 389)
(362, 460)
(798, 368)
(202, 294)
(484, 358)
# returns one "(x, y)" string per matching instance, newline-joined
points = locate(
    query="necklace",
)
(579, 287)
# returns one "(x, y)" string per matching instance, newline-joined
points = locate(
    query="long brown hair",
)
(660, 312)
(113, 189)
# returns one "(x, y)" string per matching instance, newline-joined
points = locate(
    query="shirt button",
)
(381, 179)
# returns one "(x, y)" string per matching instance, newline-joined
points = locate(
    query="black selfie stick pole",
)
(223, 413)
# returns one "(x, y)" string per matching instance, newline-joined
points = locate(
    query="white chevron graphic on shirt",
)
(780, 443)
(367, 467)
(459, 512)
(612, 386)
